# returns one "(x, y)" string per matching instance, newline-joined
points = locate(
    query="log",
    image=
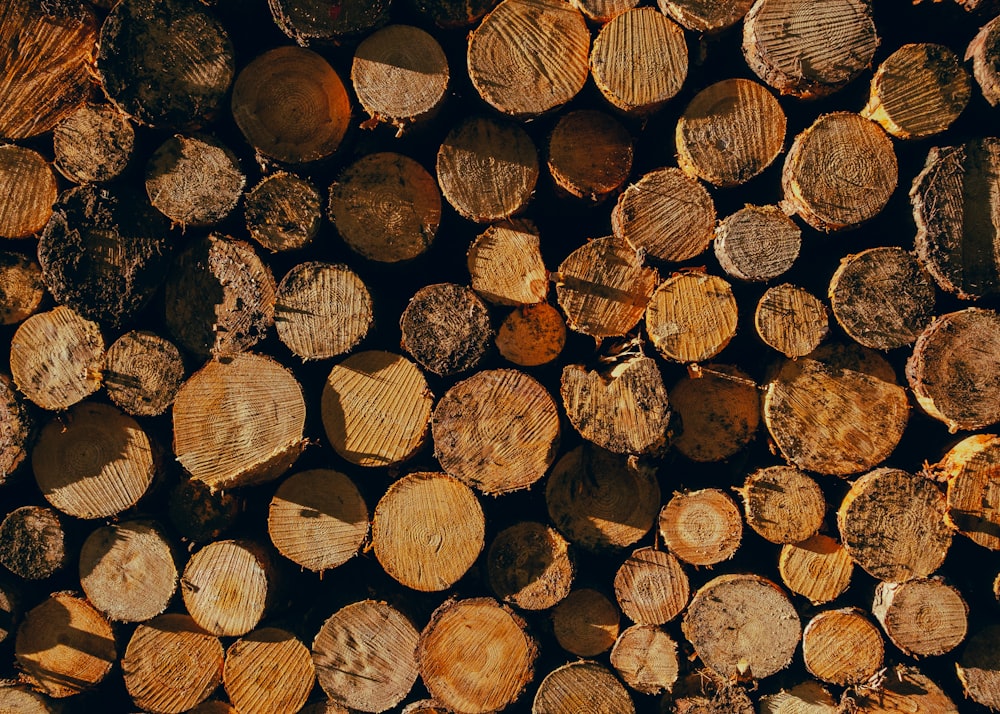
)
(581, 686)
(428, 530)
(505, 265)
(818, 568)
(214, 706)
(171, 664)
(386, 207)
(17, 429)
(842, 647)
(22, 700)
(268, 670)
(923, 617)
(365, 656)
(532, 335)
(446, 328)
(283, 212)
(691, 317)
(639, 60)
(970, 468)
(318, 519)
(423, 706)
(454, 14)
(904, 689)
(809, 697)
(199, 514)
(719, 411)
(27, 180)
(783, 504)
(603, 11)
(706, 696)
(651, 587)
(376, 408)
(528, 57)
(22, 289)
(704, 17)
(791, 320)
(586, 622)
(529, 566)
(982, 50)
(978, 667)
(11, 609)
(143, 372)
(228, 586)
(33, 542)
(326, 20)
(757, 243)
(701, 527)
(645, 657)
(590, 154)
(328, 706)
(93, 144)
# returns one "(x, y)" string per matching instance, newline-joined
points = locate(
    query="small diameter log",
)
(322, 310)
(719, 411)
(505, 264)
(701, 527)
(497, 431)
(454, 14)
(882, 297)
(464, 675)
(365, 656)
(56, 358)
(446, 328)
(487, 169)
(529, 56)
(199, 514)
(979, 667)
(603, 287)
(841, 171)
(64, 646)
(692, 316)
(532, 335)
(904, 689)
(19, 699)
(428, 530)
(400, 76)
(318, 519)
(603, 11)
(239, 421)
(742, 625)
(590, 154)
(33, 542)
(651, 587)
(809, 697)
(586, 623)
(227, 587)
(17, 429)
(216, 706)
(127, 571)
(27, 180)
(924, 617)
(93, 144)
(22, 289)
(954, 366)
(529, 566)
(757, 243)
(194, 180)
(918, 91)
(268, 671)
(386, 207)
(783, 504)
(624, 410)
(983, 51)
(972, 469)
(165, 63)
(219, 297)
(600, 500)
(171, 664)
(308, 20)
(730, 132)
(376, 407)
(639, 60)
(645, 657)
(892, 525)
(808, 50)
(818, 568)
(842, 647)
(791, 320)
(703, 16)
(291, 105)
(581, 686)
(143, 372)
(954, 203)
(835, 413)
(283, 212)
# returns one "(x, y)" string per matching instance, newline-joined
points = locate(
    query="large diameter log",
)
(979, 667)
(701, 527)
(581, 686)
(268, 671)
(842, 647)
(446, 328)
(143, 372)
(33, 542)
(325, 20)
(529, 565)
(719, 411)
(93, 144)
(783, 504)
(586, 622)
(982, 50)
(692, 316)
(903, 689)
(17, 429)
(28, 181)
(228, 586)
(194, 180)
(923, 617)
(22, 289)
(818, 568)
(590, 154)
(645, 657)
(972, 470)
(651, 587)
(705, 16)
(757, 243)
(505, 265)
(283, 212)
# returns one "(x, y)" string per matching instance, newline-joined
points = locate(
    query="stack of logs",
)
(471, 356)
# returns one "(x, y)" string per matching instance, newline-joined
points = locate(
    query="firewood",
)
(586, 622)
(529, 566)
(783, 504)
(527, 57)
(892, 525)
(701, 527)
(970, 468)
(979, 667)
(56, 358)
(328, 706)
(497, 431)
(742, 625)
(376, 408)
(400, 76)
(505, 264)
(923, 617)
(26, 178)
(651, 587)
(905, 689)
(200, 514)
(423, 706)
(17, 429)
(840, 172)
(23, 700)
(882, 297)
(807, 50)
(953, 369)
(239, 421)
(227, 587)
(446, 328)
(283, 212)
(365, 656)
(11, 607)
(93, 144)
(308, 20)
(818, 568)
(730, 132)
(590, 154)
(918, 91)
(143, 372)
(386, 207)
(692, 316)
(645, 657)
(532, 335)
(487, 169)
(701, 16)
(428, 530)
(809, 697)
(22, 289)
(64, 646)
(602, 501)
(842, 647)
(709, 697)
(479, 679)
(165, 63)
(719, 410)
(454, 14)
(268, 670)
(33, 542)
(982, 51)
(171, 664)
(757, 243)
(791, 320)
(291, 77)
(318, 519)
(639, 60)
(127, 570)
(581, 686)
(215, 706)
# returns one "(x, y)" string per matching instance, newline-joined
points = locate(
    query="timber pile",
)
(470, 356)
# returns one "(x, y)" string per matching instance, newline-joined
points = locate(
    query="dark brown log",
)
(719, 410)
(93, 144)
(228, 586)
(454, 14)
(199, 514)
(268, 671)
(979, 667)
(705, 693)
(791, 320)
(923, 617)
(783, 504)
(27, 180)
(585, 622)
(692, 316)
(651, 587)
(971, 470)
(583, 685)
(17, 429)
(983, 51)
(590, 154)
(818, 568)
(446, 328)
(645, 657)
(307, 20)
(143, 372)
(20, 699)
(706, 15)
(22, 289)
(757, 243)
(283, 212)
(33, 542)
(505, 264)
(701, 527)
(529, 566)
(532, 335)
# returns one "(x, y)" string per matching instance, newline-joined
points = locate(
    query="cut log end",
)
(701, 527)
(705, 16)
(719, 412)
(268, 670)
(33, 543)
(446, 328)
(590, 154)
(842, 647)
(818, 568)
(972, 469)
(227, 587)
(586, 623)
(26, 178)
(783, 504)
(692, 316)
(757, 243)
(505, 264)
(581, 686)
(529, 566)
(22, 288)
(143, 373)
(791, 320)
(532, 335)
(645, 657)
(283, 212)
(923, 617)
(93, 144)
(651, 587)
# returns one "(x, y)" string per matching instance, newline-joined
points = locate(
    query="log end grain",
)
(645, 657)
(584, 685)
(586, 622)
(446, 328)
(791, 320)
(692, 316)
(783, 504)
(283, 212)
(268, 670)
(227, 586)
(529, 565)
(922, 617)
(818, 568)
(842, 647)
(194, 180)
(26, 178)
(505, 265)
(719, 412)
(33, 542)
(972, 469)
(590, 154)
(22, 288)
(651, 587)
(143, 373)
(93, 144)
(532, 335)
(982, 50)
(757, 243)
(701, 527)
(705, 16)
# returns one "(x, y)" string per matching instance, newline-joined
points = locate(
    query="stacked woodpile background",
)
(464, 356)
